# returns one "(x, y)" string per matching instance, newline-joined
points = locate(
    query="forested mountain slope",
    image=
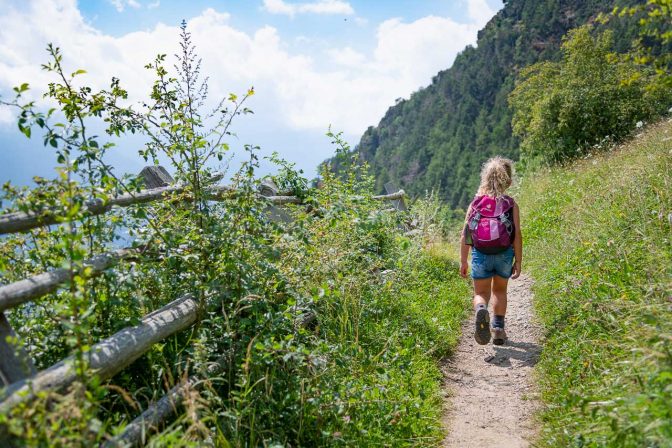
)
(438, 138)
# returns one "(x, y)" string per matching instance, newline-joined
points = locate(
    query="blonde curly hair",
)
(496, 176)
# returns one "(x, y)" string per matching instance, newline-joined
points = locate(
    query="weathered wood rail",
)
(113, 354)
(137, 431)
(22, 221)
(38, 285)
(109, 356)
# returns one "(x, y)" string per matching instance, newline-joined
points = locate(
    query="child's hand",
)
(515, 273)
(463, 269)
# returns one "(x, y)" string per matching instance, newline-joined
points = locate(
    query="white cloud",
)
(317, 7)
(350, 90)
(327, 7)
(479, 12)
(347, 57)
(279, 7)
(417, 50)
(120, 5)
(361, 21)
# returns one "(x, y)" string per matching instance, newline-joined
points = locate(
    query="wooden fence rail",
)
(137, 432)
(109, 356)
(22, 291)
(116, 352)
(22, 221)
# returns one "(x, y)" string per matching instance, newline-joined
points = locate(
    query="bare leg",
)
(482, 290)
(499, 285)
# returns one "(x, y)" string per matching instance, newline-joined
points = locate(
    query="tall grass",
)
(382, 331)
(599, 245)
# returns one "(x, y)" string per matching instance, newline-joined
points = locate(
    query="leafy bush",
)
(654, 45)
(563, 108)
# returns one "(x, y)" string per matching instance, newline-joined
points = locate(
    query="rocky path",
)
(490, 390)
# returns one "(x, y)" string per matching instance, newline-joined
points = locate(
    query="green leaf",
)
(25, 130)
(22, 88)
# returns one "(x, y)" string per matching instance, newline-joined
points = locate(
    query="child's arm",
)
(464, 248)
(517, 243)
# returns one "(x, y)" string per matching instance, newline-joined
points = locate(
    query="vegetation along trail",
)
(490, 388)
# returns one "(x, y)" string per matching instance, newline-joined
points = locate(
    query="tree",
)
(654, 45)
(563, 108)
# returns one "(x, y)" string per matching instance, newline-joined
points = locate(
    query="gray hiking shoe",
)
(498, 336)
(482, 333)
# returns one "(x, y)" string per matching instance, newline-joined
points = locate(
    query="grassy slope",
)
(598, 243)
(390, 388)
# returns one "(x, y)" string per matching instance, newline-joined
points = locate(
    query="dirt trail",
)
(490, 391)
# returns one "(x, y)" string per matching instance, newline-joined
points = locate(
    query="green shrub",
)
(563, 108)
(653, 47)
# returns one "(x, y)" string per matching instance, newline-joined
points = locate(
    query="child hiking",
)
(492, 229)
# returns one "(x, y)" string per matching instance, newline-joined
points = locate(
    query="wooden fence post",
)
(15, 364)
(268, 188)
(399, 204)
(156, 176)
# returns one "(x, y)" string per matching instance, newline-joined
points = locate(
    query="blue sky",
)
(313, 63)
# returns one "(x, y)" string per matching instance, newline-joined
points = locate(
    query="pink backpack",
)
(490, 223)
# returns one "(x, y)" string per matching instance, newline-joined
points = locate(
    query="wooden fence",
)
(108, 357)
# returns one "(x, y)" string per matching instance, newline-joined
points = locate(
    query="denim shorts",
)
(487, 266)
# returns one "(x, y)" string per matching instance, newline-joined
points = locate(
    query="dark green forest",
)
(438, 138)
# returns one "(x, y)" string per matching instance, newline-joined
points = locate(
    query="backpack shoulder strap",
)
(509, 202)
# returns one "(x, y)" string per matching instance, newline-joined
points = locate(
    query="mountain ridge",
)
(438, 138)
